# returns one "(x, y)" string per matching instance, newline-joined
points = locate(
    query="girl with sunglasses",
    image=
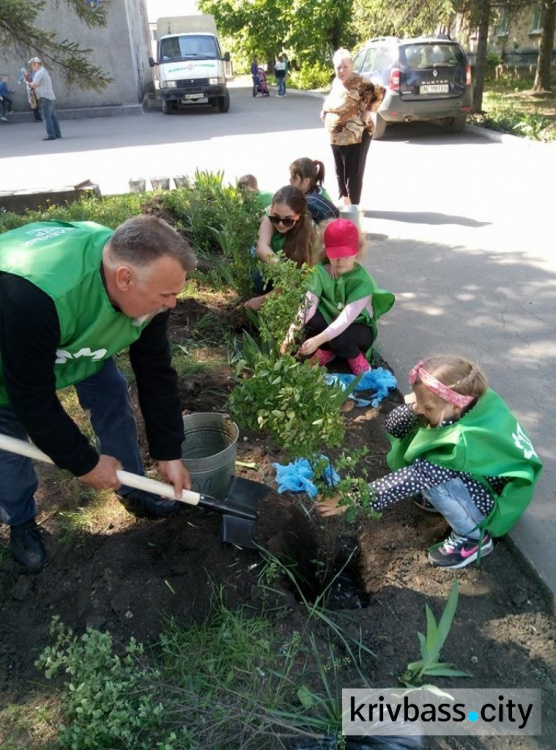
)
(286, 226)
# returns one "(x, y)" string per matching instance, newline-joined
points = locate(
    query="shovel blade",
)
(238, 531)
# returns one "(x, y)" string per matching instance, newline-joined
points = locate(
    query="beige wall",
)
(121, 49)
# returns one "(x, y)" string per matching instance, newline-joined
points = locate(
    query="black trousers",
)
(350, 167)
(357, 337)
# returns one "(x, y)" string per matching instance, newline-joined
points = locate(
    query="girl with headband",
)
(457, 450)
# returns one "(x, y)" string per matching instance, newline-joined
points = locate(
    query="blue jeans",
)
(453, 500)
(48, 112)
(281, 85)
(106, 396)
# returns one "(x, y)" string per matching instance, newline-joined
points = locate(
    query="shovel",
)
(238, 509)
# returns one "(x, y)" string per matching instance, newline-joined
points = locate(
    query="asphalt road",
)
(461, 228)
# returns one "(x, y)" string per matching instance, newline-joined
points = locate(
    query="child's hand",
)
(330, 507)
(309, 346)
(255, 303)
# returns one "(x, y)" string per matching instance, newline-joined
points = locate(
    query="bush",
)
(318, 76)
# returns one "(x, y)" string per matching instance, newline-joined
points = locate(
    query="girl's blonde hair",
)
(300, 242)
(458, 373)
(321, 251)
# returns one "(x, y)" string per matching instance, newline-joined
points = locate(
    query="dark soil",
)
(125, 574)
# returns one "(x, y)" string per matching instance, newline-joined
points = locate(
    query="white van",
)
(190, 64)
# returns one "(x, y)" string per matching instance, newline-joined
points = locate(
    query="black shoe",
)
(144, 505)
(27, 547)
(423, 503)
(48, 138)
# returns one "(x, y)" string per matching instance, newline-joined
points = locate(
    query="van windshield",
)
(188, 47)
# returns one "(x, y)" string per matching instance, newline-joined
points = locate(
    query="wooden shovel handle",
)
(138, 482)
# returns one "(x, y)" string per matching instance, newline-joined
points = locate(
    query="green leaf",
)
(447, 616)
(306, 697)
(433, 649)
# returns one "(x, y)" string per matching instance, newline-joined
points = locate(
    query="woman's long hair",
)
(300, 242)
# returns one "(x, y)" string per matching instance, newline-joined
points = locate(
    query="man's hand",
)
(103, 476)
(330, 507)
(176, 474)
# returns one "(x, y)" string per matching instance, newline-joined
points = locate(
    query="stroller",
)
(261, 85)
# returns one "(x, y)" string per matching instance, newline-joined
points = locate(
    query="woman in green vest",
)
(457, 449)
(287, 226)
(343, 303)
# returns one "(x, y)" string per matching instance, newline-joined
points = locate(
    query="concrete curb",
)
(83, 113)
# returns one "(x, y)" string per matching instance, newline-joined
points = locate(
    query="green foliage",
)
(292, 402)
(431, 646)
(109, 701)
(281, 306)
(221, 222)
(110, 211)
(21, 28)
(503, 120)
(315, 76)
(353, 487)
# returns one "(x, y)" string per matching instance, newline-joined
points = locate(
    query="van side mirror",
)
(227, 56)
(152, 62)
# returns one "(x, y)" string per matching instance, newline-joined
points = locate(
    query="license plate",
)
(194, 96)
(434, 88)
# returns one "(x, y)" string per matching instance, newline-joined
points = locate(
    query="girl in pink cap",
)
(458, 450)
(343, 303)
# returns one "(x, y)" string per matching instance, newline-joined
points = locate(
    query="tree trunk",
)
(480, 58)
(548, 22)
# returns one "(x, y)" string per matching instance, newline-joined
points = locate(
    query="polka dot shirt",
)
(422, 475)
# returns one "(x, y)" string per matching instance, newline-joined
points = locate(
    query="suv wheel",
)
(380, 127)
(454, 124)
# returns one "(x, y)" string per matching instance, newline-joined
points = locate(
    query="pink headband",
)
(439, 389)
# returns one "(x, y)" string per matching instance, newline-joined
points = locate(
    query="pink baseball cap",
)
(341, 239)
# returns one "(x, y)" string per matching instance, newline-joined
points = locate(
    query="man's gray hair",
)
(144, 239)
(340, 55)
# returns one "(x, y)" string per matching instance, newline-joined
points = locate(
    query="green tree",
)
(548, 23)
(21, 35)
(309, 31)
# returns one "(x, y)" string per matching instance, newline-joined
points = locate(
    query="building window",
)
(536, 22)
(503, 26)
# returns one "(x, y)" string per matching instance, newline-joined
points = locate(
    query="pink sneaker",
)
(322, 357)
(359, 364)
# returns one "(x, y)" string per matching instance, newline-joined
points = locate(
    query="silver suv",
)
(428, 78)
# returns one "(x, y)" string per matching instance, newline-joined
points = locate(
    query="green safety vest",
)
(487, 441)
(335, 294)
(63, 259)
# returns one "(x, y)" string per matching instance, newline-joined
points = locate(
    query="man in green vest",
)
(72, 295)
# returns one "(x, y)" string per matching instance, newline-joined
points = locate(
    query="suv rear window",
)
(420, 56)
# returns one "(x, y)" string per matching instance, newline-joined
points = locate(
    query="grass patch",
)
(511, 107)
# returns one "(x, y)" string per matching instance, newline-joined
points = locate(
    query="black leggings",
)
(350, 167)
(357, 337)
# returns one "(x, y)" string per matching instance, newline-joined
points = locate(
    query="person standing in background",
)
(31, 97)
(280, 73)
(346, 114)
(5, 101)
(42, 87)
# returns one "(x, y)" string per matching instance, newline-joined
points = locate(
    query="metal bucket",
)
(209, 452)
(354, 214)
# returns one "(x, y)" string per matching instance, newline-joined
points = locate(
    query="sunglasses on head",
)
(279, 220)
